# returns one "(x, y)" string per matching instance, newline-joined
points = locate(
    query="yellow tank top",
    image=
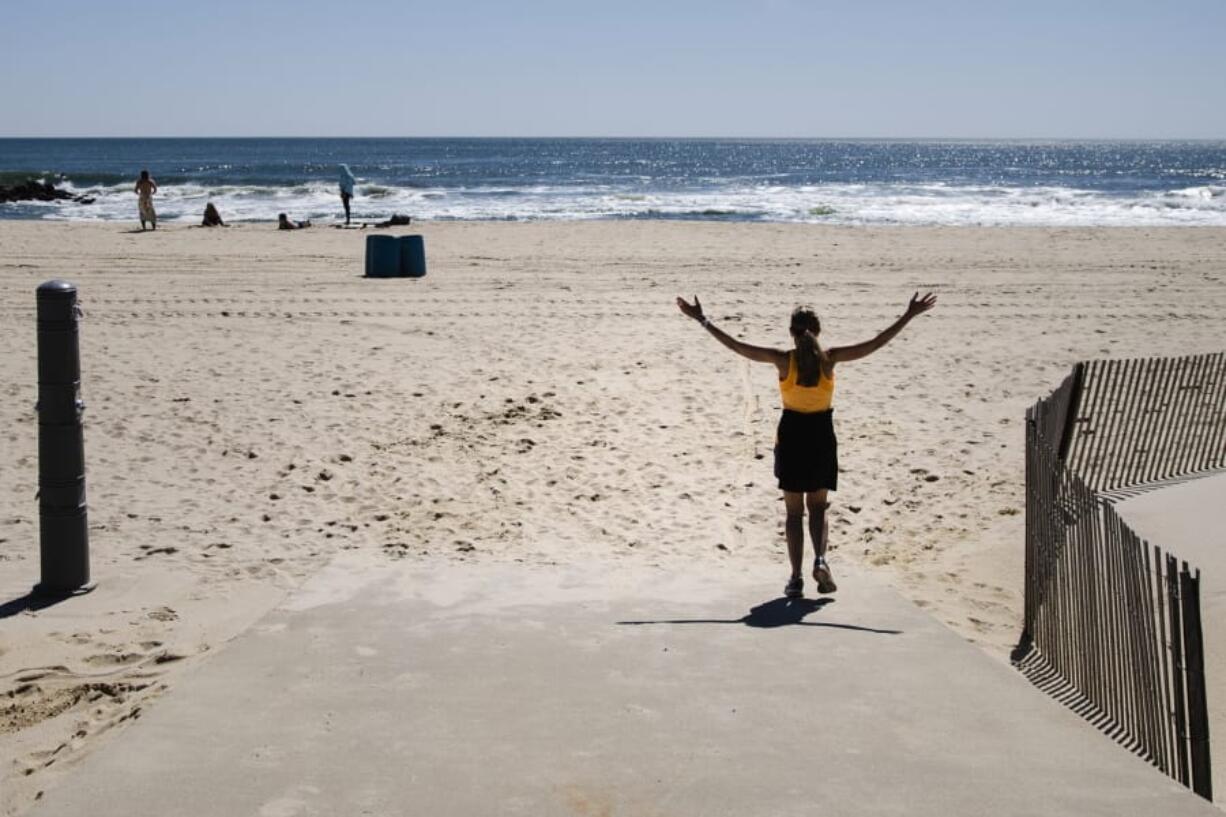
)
(805, 399)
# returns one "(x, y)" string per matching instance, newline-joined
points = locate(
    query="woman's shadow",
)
(780, 612)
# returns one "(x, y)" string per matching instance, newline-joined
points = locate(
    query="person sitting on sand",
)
(145, 188)
(806, 453)
(283, 223)
(212, 218)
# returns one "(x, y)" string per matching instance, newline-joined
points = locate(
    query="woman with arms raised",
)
(806, 452)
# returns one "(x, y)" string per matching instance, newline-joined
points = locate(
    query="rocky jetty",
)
(34, 190)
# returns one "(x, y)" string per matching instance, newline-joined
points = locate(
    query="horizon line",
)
(677, 138)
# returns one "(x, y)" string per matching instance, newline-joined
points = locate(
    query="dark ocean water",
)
(831, 181)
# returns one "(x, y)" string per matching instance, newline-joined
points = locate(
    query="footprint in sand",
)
(150, 550)
(113, 659)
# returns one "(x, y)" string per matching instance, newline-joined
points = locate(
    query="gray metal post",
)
(63, 530)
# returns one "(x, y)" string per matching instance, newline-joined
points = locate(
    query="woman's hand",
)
(693, 310)
(919, 305)
(758, 354)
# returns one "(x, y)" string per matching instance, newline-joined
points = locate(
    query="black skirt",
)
(806, 452)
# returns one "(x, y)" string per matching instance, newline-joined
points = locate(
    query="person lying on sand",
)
(283, 223)
(212, 218)
(396, 220)
(806, 451)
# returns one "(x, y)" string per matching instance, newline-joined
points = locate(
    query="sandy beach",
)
(255, 407)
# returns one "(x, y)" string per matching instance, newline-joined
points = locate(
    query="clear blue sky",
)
(615, 68)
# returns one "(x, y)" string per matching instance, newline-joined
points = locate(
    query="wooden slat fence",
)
(1146, 420)
(1116, 620)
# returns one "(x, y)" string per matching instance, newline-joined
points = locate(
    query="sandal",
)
(823, 576)
(795, 588)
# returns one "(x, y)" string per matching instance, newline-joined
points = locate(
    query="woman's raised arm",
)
(759, 354)
(917, 306)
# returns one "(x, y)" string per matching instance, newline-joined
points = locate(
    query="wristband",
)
(706, 322)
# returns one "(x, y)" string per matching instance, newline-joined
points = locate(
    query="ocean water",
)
(822, 181)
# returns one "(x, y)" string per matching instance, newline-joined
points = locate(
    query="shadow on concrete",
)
(1035, 668)
(780, 612)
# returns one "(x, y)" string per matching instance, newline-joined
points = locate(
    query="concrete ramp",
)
(1188, 520)
(502, 689)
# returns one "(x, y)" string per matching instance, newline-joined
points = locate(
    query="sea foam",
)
(809, 181)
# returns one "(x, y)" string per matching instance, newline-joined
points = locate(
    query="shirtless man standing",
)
(145, 188)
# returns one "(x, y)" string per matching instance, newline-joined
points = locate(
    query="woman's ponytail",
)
(810, 358)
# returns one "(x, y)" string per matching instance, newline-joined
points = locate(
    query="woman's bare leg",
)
(819, 532)
(794, 528)
(819, 526)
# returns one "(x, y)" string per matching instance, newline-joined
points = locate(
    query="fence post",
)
(1198, 708)
(1071, 410)
(1178, 669)
(1026, 642)
(63, 527)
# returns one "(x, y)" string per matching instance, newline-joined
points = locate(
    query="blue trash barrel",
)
(382, 256)
(412, 256)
